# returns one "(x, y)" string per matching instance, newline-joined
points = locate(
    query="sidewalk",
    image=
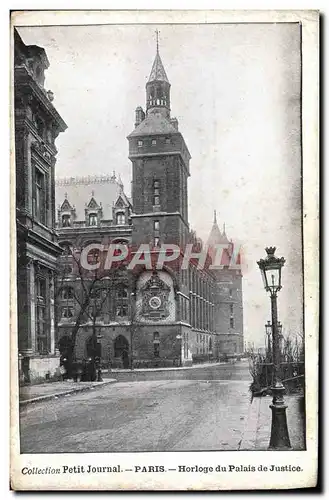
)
(49, 390)
(256, 436)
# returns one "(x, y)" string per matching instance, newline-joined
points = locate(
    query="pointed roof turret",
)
(224, 237)
(215, 234)
(158, 72)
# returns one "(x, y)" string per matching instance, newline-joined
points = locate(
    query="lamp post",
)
(271, 268)
(268, 330)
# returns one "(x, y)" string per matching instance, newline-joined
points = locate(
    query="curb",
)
(65, 393)
(167, 369)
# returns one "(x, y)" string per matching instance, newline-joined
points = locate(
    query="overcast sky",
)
(235, 89)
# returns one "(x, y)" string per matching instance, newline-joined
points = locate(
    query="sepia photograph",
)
(159, 277)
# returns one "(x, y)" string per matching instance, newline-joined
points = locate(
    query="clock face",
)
(155, 302)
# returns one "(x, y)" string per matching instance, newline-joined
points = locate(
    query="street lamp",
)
(271, 268)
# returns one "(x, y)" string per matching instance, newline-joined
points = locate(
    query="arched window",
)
(120, 219)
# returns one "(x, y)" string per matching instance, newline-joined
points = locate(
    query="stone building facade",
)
(37, 124)
(147, 316)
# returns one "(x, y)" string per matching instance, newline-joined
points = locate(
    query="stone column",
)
(31, 293)
(24, 311)
(52, 314)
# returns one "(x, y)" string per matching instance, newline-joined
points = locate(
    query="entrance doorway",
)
(121, 350)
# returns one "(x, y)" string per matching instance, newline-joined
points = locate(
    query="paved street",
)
(205, 408)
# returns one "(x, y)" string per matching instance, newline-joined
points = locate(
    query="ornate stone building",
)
(147, 316)
(37, 124)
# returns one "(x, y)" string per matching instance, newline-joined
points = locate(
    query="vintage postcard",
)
(164, 292)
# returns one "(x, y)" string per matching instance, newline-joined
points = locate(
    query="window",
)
(154, 142)
(168, 140)
(92, 220)
(120, 219)
(67, 269)
(67, 312)
(156, 344)
(140, 144)
(230, 293)
(231, 322)
(122, 310)
(39, 207)
(40, 127)
(67, 293)
(122, 293)
(66, 221)
(156, 241)
(156, 225)
(231, 309)
(156, 350)
(67, 248)
(156, 192)
(93, 256)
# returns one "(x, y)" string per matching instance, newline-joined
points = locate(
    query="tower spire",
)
(157, 39)
(215, 217)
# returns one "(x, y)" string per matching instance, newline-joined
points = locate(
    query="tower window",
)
(156, 225)
(156, 241)
(154, 142)
(156, 344)
(231, 322)
(92, 220)
(167, 140)
(231, 293)
(66, 220)
(120, 219)
(156, 193)
(231, 309)
(140, 144)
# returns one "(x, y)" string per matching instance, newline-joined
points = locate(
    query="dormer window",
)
(120, 219)
(140, 144)
(66, 220)
(92, 220)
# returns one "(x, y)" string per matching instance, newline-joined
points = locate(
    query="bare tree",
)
(89, 289)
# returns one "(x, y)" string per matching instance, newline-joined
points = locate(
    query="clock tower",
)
(160, 167)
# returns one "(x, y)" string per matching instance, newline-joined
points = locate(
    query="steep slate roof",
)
(154, 124)
(158, 72)
(79, 191)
